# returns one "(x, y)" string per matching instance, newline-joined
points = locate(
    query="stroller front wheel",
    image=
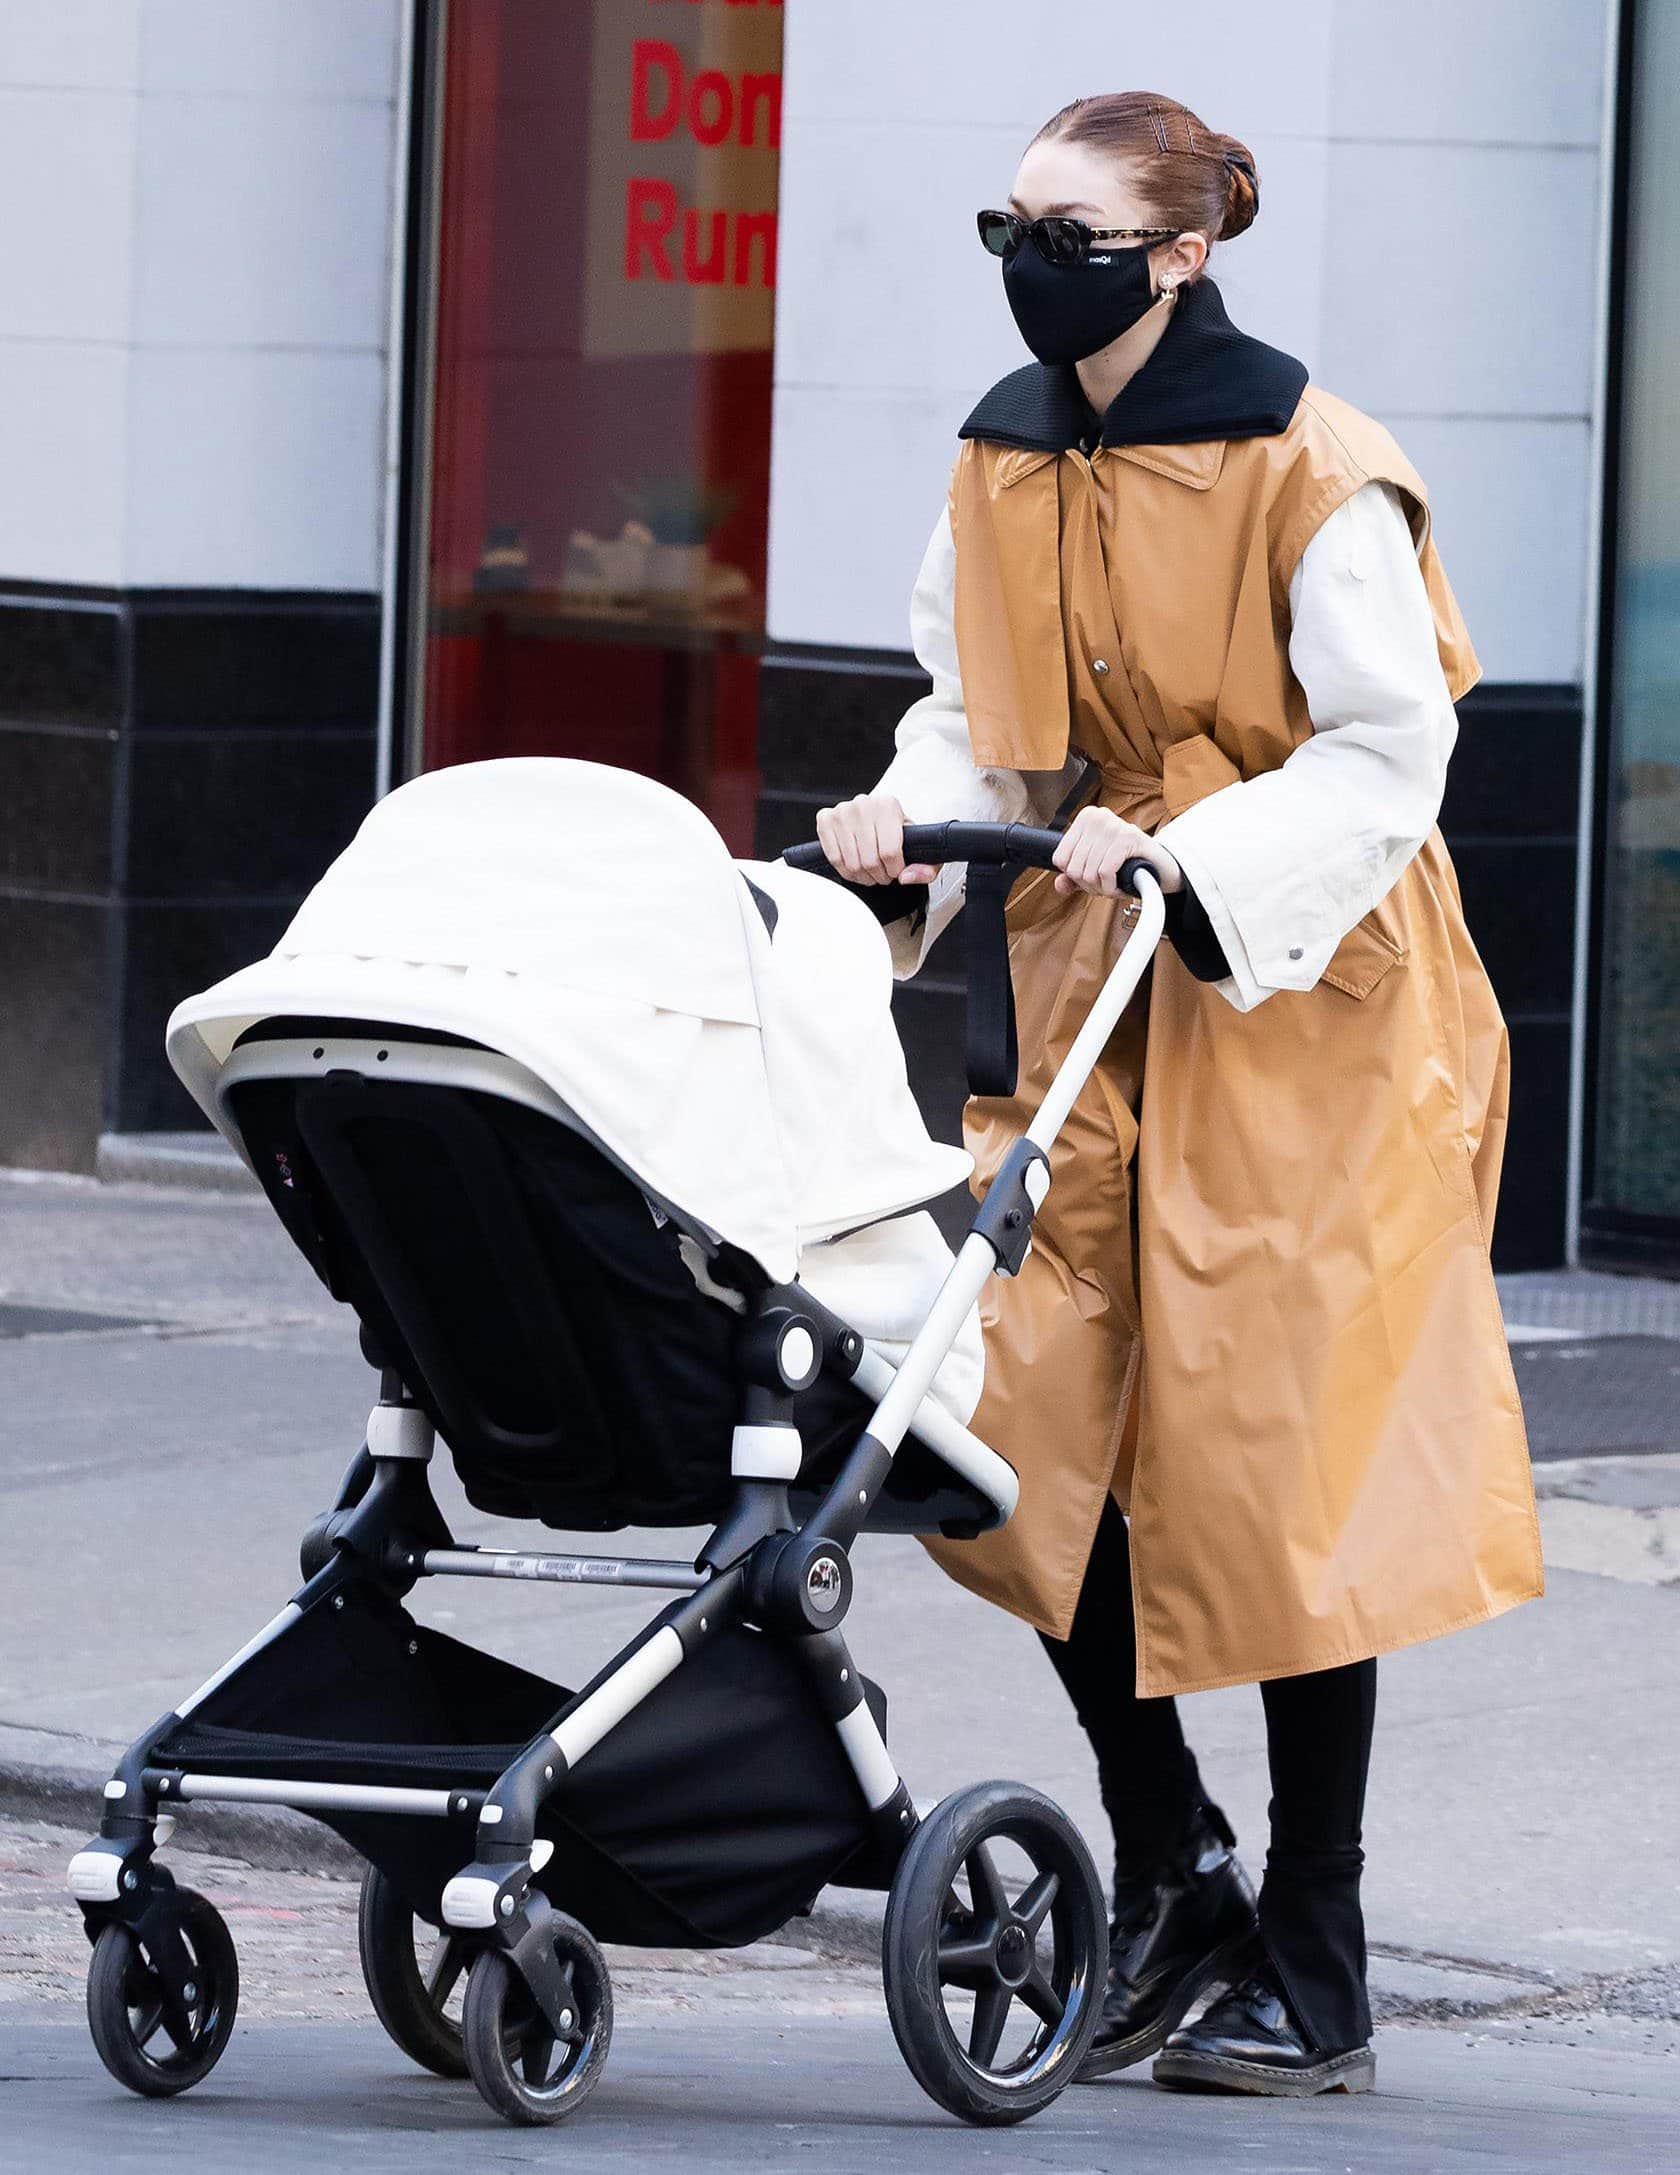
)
(524, 2068)
(154, 2036)
(994, 1969)
(411, 1994)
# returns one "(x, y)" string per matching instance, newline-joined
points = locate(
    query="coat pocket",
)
(1369, 949)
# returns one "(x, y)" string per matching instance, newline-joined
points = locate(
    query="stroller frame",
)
(792, 1580)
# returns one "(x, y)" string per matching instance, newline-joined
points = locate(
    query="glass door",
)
(1635, 1186)
(591, 556)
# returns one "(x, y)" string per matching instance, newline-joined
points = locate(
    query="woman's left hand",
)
(1097, 846)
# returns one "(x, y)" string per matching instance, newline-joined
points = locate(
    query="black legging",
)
(1318, 1748)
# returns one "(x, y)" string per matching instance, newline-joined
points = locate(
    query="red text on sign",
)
(665, 239)
(715, 107)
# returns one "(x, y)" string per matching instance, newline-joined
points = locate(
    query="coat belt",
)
(1191, 769)
(1134, 795)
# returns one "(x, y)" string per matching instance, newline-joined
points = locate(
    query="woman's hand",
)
(1097, 845)
(864, 840)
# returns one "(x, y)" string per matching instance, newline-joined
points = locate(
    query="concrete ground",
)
(710, 2097)
(162, 1448)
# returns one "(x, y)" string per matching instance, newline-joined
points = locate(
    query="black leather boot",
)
(1250, 2040)
(1179, 1934)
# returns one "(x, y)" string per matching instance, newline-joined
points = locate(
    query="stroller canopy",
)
(590, 924)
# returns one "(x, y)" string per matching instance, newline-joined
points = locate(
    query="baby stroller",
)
(607, 1141)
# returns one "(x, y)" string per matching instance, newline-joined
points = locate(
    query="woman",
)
(1259, 1317)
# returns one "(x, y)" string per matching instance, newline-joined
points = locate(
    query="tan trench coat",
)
(1266, 1320)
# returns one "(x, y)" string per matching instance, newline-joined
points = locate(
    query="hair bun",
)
(1242, 189)
(1188, 176)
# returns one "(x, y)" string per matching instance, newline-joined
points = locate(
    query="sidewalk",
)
(161, 1453)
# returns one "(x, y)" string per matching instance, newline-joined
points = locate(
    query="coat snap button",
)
(1294, 951)
(1099, 664)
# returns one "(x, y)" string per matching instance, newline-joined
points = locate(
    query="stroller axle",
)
(306, 1796)
(561, 1570)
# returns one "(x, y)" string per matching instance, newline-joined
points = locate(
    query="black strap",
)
(992, 1054)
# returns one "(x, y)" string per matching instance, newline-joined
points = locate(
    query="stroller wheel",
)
(414, 1977)
(994, 1952)
(523, 2068)
(155, 2042)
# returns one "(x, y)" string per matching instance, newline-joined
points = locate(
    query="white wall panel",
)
(872, 467)
(193, 289)
(868, 297)
(1458, 279)
(63, 445)
(941, 67)
(66, 181)
(254, 468)
(84, 44)
(1468, 71)
(1510, 499)
(262, 222)
(263, 48)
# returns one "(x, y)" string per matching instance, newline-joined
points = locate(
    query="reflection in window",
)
(1638, 1131)
(600, 442)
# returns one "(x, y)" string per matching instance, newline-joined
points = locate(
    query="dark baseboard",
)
(179, 766)
(1628, 1245)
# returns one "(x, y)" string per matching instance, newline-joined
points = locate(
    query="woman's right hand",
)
(864, 839)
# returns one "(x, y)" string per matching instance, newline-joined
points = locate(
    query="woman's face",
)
(1071, 180)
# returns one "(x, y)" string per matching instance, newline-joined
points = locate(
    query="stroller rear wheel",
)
(526, 2069)
(155, 2039)
(1017, 1951)
(415, 1995)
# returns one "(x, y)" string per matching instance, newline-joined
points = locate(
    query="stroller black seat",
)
(536, 1302)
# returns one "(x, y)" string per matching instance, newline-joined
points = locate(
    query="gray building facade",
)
(391, 382)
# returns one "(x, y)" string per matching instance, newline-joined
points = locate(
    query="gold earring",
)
(1169, 290)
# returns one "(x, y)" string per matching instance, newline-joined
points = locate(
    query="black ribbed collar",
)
(1204, 380)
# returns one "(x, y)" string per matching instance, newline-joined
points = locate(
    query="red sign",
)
(686, 127)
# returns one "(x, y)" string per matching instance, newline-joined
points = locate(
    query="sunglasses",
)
(1058, 241)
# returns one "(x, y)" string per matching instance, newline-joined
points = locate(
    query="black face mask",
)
(1068, 311)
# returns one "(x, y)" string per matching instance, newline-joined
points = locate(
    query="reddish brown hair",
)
(1190, 176)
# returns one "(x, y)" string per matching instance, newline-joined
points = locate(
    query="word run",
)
(717, 248)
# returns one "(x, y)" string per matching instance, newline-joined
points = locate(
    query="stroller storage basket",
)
(714, 1812)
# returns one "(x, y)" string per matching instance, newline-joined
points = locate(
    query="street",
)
(161, 1451)
(773, 2092)
(748, 2061)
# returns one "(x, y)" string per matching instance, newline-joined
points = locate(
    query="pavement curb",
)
(200, 1162)
(53, 1775)
(45, 1775)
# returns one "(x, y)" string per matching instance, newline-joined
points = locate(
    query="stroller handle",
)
(995, 854)
(983, 845)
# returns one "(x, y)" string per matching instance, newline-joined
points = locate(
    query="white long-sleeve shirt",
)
(1286, 863)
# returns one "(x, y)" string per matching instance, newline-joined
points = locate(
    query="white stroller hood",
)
(590, 925)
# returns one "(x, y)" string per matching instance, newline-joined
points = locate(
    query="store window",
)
(597, 447)
(1637, 1133)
